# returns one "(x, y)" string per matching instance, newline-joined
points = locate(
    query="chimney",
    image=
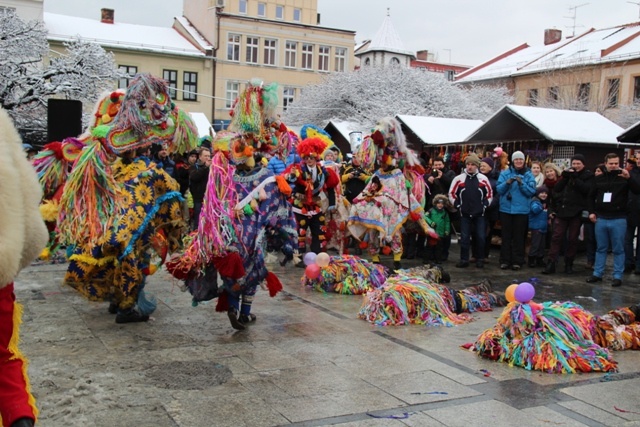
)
(422, 55)
(106, 16)
(551, 36)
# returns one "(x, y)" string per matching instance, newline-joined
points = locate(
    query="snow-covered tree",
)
(370, 93)
(30, 73)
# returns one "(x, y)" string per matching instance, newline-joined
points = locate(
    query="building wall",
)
(149, 62)
(233, 68)
(27, 10)
(380, 58)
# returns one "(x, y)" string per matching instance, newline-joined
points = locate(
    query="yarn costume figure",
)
(311, 183)
(245, 210)
(122, 233)
(386, 203)
(22, 236)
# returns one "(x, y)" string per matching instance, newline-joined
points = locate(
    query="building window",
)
(614, 90)
(242, 6)
(450, 75)
(270, 51)
(262, 9)
(190, 86)
(533, 97)
(636, 90)
(367, 61)
(130, 71)
(552, 94)
(297, 15)
(307, 56)
(288, 95)
(171, 77)
(290, 50)
(233, 47)
(279, 12)
(394, 61)
(233, 90)
(253, 44)
(323, 58)
(340, 59)
(584, 91)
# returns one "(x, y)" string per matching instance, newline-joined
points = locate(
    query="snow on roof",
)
(564, 125)
(345, 128)
(203, 124)
(387, 39)
(439, 130)
(618, 43)
(119, 35)
(193, 32)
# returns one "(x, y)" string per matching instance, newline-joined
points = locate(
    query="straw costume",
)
(387, 201)
(22, 237)
(124, 217)
(245, 209)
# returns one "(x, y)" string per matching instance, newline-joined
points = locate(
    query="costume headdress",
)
(313, 146)
(387, 135)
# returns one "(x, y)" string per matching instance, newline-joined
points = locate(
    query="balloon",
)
(509, 293)
(322, 259)
(525, 292)
(309, 258)
(312, 271)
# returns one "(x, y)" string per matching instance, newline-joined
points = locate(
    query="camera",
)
(616, 171)
(434, 173)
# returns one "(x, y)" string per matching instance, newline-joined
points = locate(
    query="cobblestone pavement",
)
(307, 361)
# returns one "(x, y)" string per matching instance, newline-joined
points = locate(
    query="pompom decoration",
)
(498, 150)
(553, 338)
(350, 275)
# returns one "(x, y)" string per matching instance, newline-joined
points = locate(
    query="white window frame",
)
(262, 13)
(279, 12)
(340, 59)
(290, 53)
(233, 47)
(297, 14)
(242, 7)
(131, 70)
(307, 56)
(270, 51)
(232, 93)
(324, 53)
(288, 96)
(253, 50)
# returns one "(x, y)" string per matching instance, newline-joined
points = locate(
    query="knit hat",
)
(517, 155)
(542, 189)
(579, 157)
(489, 161)
(473, 159)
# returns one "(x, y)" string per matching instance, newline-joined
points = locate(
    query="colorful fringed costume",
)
(22, 236)
(559, 337)
(387, 202)
(410, 298)
(348, 275)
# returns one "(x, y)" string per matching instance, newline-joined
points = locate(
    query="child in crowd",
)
(538, 220)
(438, 218)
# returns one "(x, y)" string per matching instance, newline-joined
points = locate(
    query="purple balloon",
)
(525, 292)
(309, 258)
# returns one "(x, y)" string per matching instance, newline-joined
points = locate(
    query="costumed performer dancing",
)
(22, 236)
(386, 203)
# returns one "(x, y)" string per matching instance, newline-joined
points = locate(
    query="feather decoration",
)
(185, 137)
(349, 275)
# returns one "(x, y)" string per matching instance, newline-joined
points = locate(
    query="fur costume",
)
(22, 237)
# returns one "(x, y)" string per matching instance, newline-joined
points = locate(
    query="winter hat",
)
(473, 159)
(517, 155)
(489, 161)
(579, 157)
(542, 189)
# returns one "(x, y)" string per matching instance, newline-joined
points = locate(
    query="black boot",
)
(568, 266)
(131, 316)
(532, 262)
(23, 422)
(397, 265)
(550, 268)
(232, 313)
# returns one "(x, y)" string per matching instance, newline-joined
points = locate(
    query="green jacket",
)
(439, 221)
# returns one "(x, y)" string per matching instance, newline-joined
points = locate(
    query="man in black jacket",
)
(198, 177)
(569, 201)
(608, 206)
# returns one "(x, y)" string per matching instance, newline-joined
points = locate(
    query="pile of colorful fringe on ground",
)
(553, 337)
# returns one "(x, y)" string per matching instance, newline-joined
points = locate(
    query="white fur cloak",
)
(22, 231)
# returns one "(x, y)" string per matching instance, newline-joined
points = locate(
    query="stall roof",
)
(439, 130)
(631, 134)
(518, 123)
(345, 128)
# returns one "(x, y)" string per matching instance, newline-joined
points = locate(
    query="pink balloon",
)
(525, 292)
(312, 271)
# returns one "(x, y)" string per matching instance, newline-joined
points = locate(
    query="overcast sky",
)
(463, 31)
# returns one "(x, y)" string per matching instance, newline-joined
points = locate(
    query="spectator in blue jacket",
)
(277, 165)
(538, 224)
(516, 186)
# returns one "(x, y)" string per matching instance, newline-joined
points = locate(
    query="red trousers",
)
(16, 400)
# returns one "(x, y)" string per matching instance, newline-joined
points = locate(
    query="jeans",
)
(475, 225)
(610, 232)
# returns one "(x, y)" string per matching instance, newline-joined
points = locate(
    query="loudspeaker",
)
(64, 119)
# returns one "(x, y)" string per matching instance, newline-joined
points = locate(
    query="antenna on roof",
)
(637, 4)
(575, 13)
